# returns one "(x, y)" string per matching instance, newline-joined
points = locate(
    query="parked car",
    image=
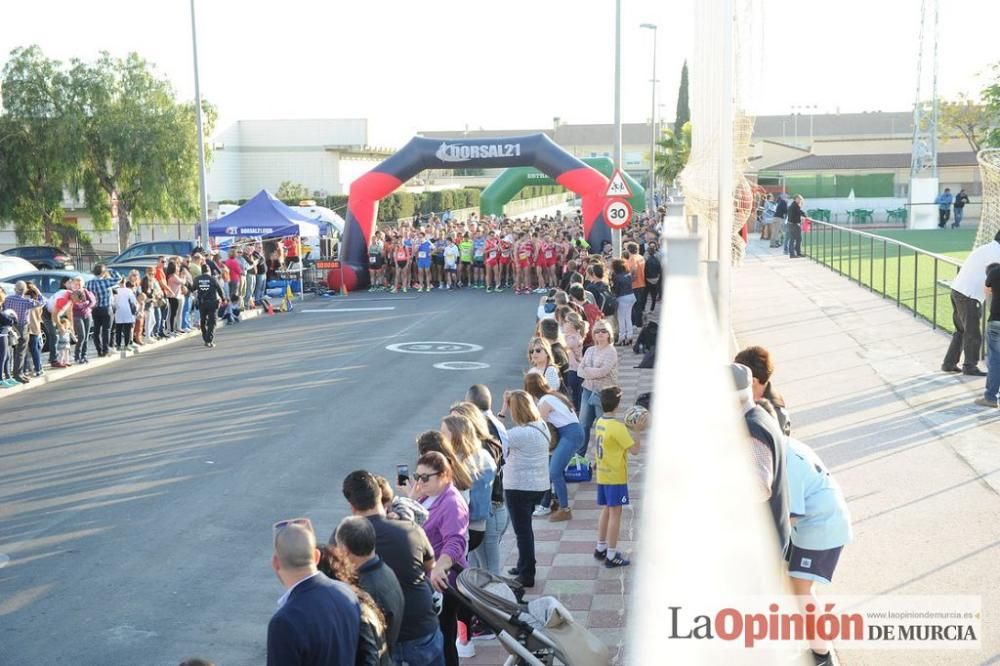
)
(122, 269)
(47, 281)
(12, 266)
(166, 248)
(43, 256)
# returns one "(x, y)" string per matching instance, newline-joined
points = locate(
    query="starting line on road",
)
(388, 307)
(461, 365)
(433, 347)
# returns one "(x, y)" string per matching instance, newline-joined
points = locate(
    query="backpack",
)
(608, 302)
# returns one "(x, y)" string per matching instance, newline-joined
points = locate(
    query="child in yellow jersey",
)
(614, 441)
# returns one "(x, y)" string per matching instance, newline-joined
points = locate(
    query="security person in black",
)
(210, 295)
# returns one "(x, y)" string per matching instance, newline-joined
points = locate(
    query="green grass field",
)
(896, 271)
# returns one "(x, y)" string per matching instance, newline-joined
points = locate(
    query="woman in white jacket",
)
(125, 309)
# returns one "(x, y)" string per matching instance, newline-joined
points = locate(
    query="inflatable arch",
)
(536, 150)
(513, 180)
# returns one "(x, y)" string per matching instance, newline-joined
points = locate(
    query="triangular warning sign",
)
(617, 187)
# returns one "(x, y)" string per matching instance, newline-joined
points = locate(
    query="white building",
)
(324, 155)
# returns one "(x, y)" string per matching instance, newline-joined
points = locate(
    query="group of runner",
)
(526, 255)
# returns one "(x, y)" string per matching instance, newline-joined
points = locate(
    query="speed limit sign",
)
(617, 213)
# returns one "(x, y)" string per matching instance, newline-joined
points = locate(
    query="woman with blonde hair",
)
(540, 360)
(487, 556)
(575, 331)
(599, 370)
(526, 476)
(432, 440)
(556, 410)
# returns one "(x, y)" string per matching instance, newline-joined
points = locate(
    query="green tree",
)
(140, 143)
(991, 101)
(967, 117)
(683, 113)
(291, 192)
(40, 149)
(673, 153)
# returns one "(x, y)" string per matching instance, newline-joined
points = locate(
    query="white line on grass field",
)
(388, 307)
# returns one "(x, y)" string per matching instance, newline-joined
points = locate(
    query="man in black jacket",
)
(357, 537)
(780, 214)
(210, 294)
(795, 216)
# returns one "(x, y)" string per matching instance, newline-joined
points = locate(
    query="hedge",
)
(400, 205)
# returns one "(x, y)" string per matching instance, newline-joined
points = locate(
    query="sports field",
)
(875, 261)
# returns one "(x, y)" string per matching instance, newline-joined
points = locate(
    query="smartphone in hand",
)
(402, 474)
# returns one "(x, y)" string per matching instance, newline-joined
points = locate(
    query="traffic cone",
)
(270, 308)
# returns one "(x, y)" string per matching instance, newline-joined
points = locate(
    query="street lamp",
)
(202, 191)
(650, 194)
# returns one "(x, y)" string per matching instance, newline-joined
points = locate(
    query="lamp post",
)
(202, 192)
(616, 234)
(651, 193)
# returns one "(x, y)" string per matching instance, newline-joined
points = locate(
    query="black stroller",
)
(540, 632)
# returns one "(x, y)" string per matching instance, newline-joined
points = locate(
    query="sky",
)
(450, 64)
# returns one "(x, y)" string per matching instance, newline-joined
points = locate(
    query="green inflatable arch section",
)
(513, 180)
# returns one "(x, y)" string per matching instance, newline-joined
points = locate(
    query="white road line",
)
(388, 307)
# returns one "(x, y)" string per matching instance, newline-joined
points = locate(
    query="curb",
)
(57, 374)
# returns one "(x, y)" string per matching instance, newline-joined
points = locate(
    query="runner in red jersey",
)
(493, 263)
(506, 260)
(525, 260)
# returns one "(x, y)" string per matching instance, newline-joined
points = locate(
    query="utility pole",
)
(202, 191)
(651, 193)
(616, 234)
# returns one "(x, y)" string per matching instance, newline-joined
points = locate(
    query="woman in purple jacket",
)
(447, 529)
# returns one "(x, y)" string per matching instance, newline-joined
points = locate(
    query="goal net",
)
(700, 178)
(989, 218)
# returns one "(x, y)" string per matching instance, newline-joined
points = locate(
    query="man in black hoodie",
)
(795, 217)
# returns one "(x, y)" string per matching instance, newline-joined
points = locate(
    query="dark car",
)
(167, 248)
(43, 256)
(48, 281)
(123, 268)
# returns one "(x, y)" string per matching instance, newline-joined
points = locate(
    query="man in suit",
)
(318, 619)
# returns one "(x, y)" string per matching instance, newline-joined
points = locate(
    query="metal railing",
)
(883, 266)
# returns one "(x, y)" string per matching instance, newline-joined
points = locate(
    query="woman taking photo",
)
(622, 288)
(598, 370)
(525, 476)
(540, 360)
(487, 555)
(447, 527)
(556, 410)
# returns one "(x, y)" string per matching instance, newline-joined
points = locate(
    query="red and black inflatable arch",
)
(536, 150)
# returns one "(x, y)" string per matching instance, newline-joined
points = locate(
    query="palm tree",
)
(672, 154)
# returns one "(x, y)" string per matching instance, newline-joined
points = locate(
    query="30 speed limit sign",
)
(617, 213)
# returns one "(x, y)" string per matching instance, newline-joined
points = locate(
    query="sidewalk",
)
(597, 596)
(918, 462)
(56, 374)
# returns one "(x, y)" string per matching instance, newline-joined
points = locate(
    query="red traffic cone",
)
(270, 310)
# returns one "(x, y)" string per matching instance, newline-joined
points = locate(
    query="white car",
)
(14, 265)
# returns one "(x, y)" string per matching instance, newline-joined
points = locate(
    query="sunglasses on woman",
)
(424, 478)
(537, 350)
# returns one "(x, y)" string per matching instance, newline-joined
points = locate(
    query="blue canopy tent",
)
(264, 216)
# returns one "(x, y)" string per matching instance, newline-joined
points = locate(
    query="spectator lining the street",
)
(557, 411)
(598, 370)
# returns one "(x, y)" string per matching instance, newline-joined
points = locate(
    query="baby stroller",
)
(540, 632)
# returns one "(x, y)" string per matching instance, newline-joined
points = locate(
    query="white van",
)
(14, 266)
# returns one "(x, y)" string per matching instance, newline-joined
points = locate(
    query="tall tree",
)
(991, 100)
(683, 114)
(40, 147)
(673, 153)
(141, 144)
(967, 117)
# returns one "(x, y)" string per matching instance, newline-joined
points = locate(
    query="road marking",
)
(4, 559)
(351, 299)
(433, 347)
(388, 307)
(461, 365)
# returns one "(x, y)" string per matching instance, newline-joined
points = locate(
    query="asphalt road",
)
(136, 500)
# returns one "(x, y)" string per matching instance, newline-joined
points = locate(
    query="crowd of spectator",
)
(114, 313)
